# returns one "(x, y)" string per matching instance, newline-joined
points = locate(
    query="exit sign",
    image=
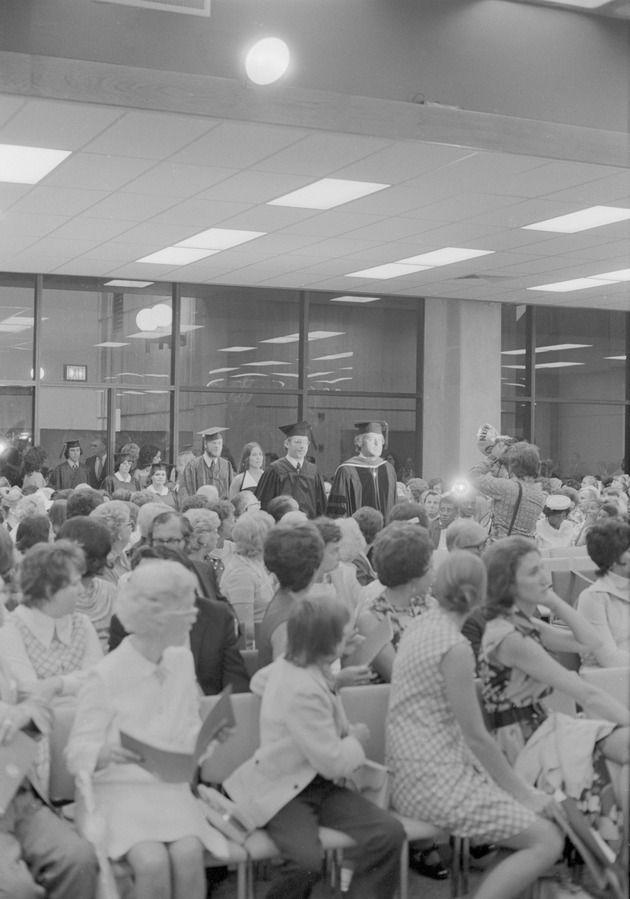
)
(75, 372)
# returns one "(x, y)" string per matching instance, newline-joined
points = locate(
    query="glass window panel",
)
(581, 438)
(513, 337)
(119, 336)
(225, 338)
(67, 413)
(515, 419)
(332, 419)
(142, 417)
(17, 298)
(249, 416)
(580, 354)
(345, 340)
(16, 415)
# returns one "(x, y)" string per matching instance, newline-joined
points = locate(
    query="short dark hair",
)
(93, 538)
(82, 502)
(407, 511)
(294, 554)
(47, 568)
(523, 460)
(370, 521)
(402, 551)
(501, 560)
(31, 530)
(606, 542)
(223, 508)
(164, 518)
(280, 505)
(329, 529)
(194, 502)
(147, 454)
(315, 628)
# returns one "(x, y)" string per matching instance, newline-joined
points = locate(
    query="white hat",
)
(558, 502)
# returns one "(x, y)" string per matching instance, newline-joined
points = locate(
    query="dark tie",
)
(212, 468)
(297, 468)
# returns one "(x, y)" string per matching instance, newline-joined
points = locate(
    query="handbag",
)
(373, 781)
(225, 815)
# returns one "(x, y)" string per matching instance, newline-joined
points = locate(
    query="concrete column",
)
(462, 382)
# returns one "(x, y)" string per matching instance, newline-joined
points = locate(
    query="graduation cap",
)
(68, 445)
(299, 429)
(211, 433)
(372, 427)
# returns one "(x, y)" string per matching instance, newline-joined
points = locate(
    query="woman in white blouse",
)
(250, 469)
(246, 582)
(48, 646)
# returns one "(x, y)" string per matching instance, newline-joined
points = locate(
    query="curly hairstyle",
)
(329, 529)
(410, 511)
(93, 538)
(34, 459)
(352, 540)
(370, 521)
(402, 552)
(223, 508)
(151, 596)
(606, 542)
(250, 533)
(47, 568)
(294, 555)
(280, 505)
(31, 530)
(115, 515)
(201, 521)
(460, 582)
(502, 560)
(83, 503)
(147, 454)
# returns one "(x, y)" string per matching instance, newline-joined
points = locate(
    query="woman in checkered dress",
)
(446, 767)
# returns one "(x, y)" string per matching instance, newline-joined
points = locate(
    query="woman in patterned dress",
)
(517, 673)
(446, 767)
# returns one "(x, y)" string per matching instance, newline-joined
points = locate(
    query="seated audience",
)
(57, 514)
(353, 550)
(31, 530)
(554, 529)
(606, 603)
(245, 501)
(82, 502)
(47, 644)
(246, 583)
(334, 578)
(517, 672)
(290, 786)
(449, 512)
(280, 505)
(216, 657)
(146, 687)
(446, 767)
(116, 516)
(98, 596)
(370, 521)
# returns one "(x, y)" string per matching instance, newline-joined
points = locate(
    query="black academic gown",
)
(307, 487)
(359, 483)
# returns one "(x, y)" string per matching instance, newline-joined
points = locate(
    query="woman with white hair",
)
(246, 582)
(116, 516)
(146, 687)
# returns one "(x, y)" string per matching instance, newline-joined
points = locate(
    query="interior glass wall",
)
(17, 298)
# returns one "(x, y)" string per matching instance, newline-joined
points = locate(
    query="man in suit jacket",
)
(96, 464)
(218, 661)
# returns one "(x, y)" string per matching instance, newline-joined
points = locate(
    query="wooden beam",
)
(98, 83)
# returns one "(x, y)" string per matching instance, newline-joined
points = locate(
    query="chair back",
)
(61, 781)
(614, 681)
(241, 745)
(368, 705)
(250, 659)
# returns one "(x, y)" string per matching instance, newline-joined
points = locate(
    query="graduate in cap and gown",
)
(366, 479)
(209, 468)
(71, 472)
(294, 475)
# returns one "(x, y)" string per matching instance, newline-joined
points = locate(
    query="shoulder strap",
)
(516, 508)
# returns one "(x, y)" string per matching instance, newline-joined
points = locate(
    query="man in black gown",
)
(294, 475)
(366, 479)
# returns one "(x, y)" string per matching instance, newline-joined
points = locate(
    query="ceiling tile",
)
(178, 179)
(402, 162)
(56, 124)
(11, 193)
(463, 206)
(92, 172)
(58, 200)
(200, 214)
(98, 229)
(268, 218)
(149, 135)
(321, 154)
(130, 207)
(254, 187)
(34, 224)
(238, 145)
(9, 106)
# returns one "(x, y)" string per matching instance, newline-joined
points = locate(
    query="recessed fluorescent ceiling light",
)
(335, 380)
(354, 299)
(513, 352)
(623, 274)
(249, 374)
(177, 256)
(128, 283)
(563, 346)
(389, 270)
(558, 364)
(446, 256)
(327, 193)
(111, 344)
(320, 374)
(593, 217)
(217, 371)
(575, 284)
(267, 362)
(320, 335)
(519, 367)
(235, 349)
(333, 356)
(619, 358)
(28, 165)
(288, 338)
(284, 374)
(219, 239)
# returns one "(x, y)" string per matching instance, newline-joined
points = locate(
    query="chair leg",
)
(242, 891)
(460, 869)
(403, 889)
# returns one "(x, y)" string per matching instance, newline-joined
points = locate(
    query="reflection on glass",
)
(71, 413)
(344, 342)
(122, 337)
(142, 417)
(16, 415)
(581, 439)
(580, 354)
(513, 334)
(235, 338)
(17, 297)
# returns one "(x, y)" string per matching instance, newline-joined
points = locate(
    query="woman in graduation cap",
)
(366, 479)
(294, 475)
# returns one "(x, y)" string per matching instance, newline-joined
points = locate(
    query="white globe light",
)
(145, 320)
(267, 61)
(162, 315)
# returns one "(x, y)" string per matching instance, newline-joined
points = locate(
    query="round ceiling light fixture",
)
(267, 60)
(158, 316)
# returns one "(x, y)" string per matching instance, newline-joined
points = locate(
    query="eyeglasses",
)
(166, 541)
